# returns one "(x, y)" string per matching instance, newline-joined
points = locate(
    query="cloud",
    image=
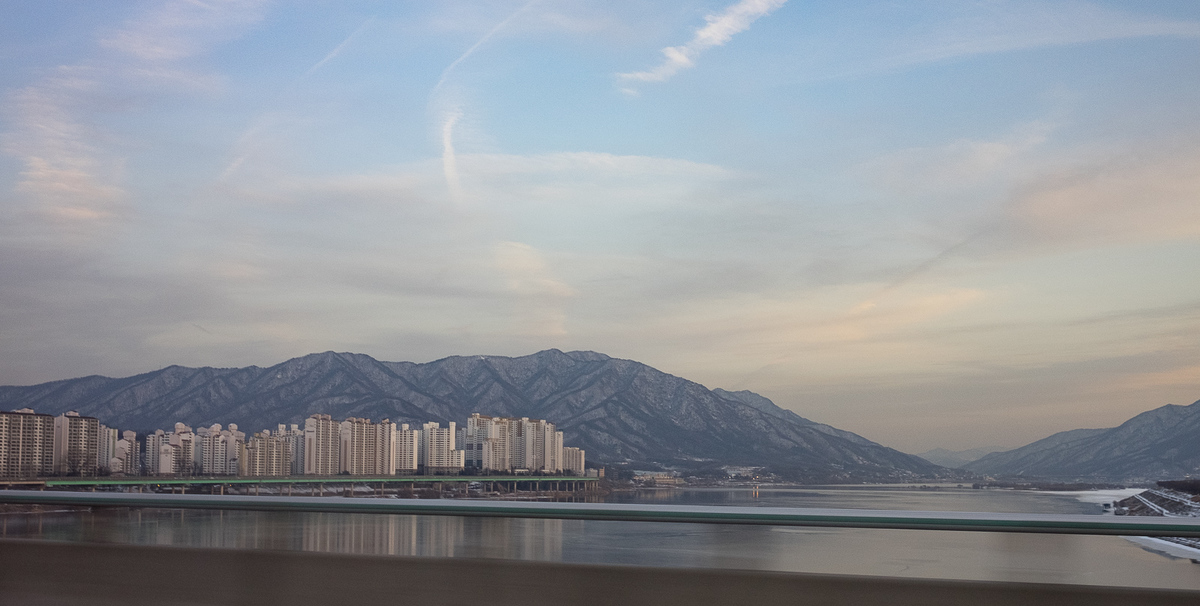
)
(70, 171)
(719, 30)
(956, 165)
(179, 29)
(856, 40)
(991, 27)
(64, 173)
(1114, 201)
(540, 296)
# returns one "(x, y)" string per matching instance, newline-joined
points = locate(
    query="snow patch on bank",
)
(1167, 548)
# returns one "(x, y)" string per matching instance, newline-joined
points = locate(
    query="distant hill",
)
(1163, 443)
(618, 410)
(956, 458)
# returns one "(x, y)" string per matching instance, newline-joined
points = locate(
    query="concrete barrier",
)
(43, 573)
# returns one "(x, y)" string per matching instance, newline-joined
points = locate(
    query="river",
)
(1098, 560)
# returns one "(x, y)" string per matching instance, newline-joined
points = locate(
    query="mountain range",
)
(956, 458)
(1163, 443)
(617, 410)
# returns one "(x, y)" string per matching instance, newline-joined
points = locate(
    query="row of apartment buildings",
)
(323, 447)
(33, 444)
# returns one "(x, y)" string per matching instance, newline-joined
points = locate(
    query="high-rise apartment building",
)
(368, 448)
(218, 450)
(172, 453)
(106, 447)
(265, 454)
(26, 444)
(437, 448)
(125, 457)
(573, 461)
(495, 443)
(322, 446)
(76, 444)
(502, 444)
(487, 443)
(153, 444)
(406, 449)
(295, 438)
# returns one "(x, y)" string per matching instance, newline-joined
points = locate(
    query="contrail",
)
(450, 118)
(261, 123)
(338, 49)
(449, 162)
(470, 51)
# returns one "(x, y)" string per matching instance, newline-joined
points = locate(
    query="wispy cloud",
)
(69, 170)
(540, 295)
(64, 173)
(180, 29)
(719, 30)
(1132, 198)
(872, 41)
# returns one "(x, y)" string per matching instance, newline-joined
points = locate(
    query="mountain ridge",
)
(1161, 443)
(618, 410)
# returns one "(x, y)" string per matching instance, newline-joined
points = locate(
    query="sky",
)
(934, 223)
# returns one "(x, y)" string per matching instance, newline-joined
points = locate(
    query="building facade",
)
(368, 448)
(437, 453)
(295, 438)
(125, 459)
(407, 443)
(26, 444)
(218, 451)
(265, 454)
(573, 462)
(322, 446)
(106, 447)
(76, 444)
(505, 444)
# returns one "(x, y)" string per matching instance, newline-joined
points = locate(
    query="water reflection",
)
(368, 534)
(905, 553)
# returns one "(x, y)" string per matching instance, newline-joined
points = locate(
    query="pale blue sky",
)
(934, 223)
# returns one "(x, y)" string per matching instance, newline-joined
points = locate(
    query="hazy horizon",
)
(935, 224)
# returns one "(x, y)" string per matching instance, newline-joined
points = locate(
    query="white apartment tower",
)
(501, 444)
(368, 448)
(322, 449)
(295, 438)
(106, 446)
(573, 461)
(172, 453)
(437, 452)
(76, 444)
(488, 442)
(218, 450)
(125, 457)
(266, 455)
(406, 449)
(26, 444)
(153, 444)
